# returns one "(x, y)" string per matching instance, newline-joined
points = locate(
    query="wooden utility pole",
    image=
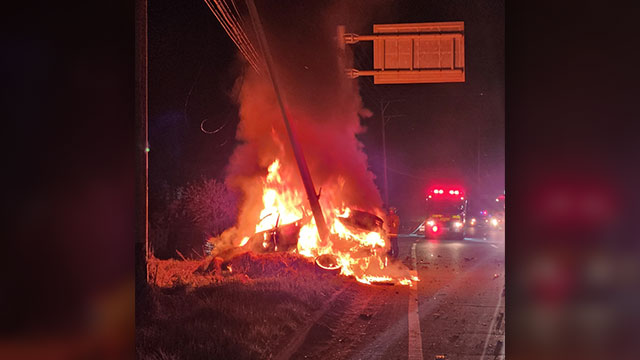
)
(141, 147)
(385, 118)
(383, 107)
(312, 196)
(479, 143)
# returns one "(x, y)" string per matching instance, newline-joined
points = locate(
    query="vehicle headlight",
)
(494, 222)
(457, 224)
(473, 221)
(431, 222)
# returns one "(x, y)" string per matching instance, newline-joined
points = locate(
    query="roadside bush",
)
(189, 215)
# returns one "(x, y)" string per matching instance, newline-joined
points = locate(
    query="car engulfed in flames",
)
(357, 244)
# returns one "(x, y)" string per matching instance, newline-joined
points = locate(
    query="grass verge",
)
(201, 310)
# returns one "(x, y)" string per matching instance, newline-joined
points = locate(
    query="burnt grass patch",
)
(250, 312)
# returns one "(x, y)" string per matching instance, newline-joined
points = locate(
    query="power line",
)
(406, 174)
(238, 27)
(228, 30)
(235, 32)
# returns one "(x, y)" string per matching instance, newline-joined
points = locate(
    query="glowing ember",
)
(245, 240)
(374, 279)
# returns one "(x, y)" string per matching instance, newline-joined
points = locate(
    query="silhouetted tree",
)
(193, 213)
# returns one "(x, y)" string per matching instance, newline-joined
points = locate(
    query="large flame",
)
(362, 254)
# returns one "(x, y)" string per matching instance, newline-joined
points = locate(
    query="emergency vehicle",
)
(446, 208)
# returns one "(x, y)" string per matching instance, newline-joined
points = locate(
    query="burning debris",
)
(357, 245)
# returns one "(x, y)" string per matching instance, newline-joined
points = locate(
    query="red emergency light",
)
(441, 190)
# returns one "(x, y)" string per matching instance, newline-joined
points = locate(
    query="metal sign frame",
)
(414, 53)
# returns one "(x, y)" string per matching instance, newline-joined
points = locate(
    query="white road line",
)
(493, 245)
(415, 337)
(491, 327)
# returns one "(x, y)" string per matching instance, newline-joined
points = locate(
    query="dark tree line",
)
(184, 217)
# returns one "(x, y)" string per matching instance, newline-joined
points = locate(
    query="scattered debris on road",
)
(498, 348)
(499, 322)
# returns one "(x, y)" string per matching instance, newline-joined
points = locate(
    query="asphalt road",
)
(456, 309)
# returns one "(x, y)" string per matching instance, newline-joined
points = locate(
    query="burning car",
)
(354, 242)
(285, 237)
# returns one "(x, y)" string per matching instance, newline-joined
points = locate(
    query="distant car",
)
(496, 221)
(479, 224)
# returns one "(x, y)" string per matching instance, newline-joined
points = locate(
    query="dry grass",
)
(247, 313)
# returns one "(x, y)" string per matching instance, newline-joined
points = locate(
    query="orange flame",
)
(361, 254)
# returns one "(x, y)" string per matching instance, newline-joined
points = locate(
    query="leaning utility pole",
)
(313, 197)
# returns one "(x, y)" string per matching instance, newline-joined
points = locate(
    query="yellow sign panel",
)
(418, 53)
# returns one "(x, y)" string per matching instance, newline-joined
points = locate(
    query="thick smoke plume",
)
(324, 108)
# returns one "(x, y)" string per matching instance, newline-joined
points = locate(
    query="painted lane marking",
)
(492, 326)
(415, 336)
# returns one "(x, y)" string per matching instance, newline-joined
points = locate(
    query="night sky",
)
(194, 65)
